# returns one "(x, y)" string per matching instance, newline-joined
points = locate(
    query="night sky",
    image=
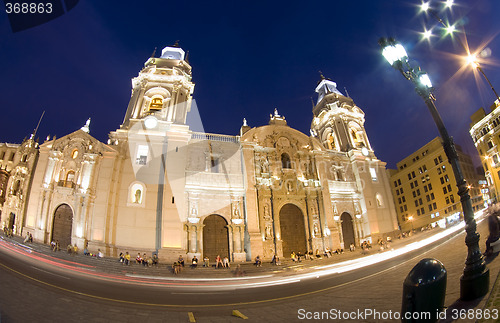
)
(249, 57)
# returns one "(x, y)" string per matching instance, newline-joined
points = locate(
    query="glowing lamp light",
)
(194, 220)
(427, 34)
(472, 60)
(425, 80)
(425, 6)
(448, 4)
(450, 29)
(336, 217)
(237, 221)
(327, 232)
(394, 52)
(358, 216)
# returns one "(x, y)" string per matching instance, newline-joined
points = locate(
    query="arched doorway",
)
(215, 237)
(293, 234)
(347, 229)
(62, 225)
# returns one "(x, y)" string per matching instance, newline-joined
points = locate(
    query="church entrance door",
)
(347, 229)
(62, 226)
(215, 237)
(292, 229)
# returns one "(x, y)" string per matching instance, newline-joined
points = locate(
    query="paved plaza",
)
(22, 299)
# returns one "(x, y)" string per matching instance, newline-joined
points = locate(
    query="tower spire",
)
(36, 129)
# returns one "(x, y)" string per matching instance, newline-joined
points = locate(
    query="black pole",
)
(475, 279)
(474, 282)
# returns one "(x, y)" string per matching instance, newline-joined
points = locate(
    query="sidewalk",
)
(287, 267)
(342, 297)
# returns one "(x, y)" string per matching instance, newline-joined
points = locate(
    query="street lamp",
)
(410, 218)
(474, 282)
(472, 60)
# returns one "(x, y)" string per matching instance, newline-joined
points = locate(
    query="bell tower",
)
(163, 88)
(338, 122)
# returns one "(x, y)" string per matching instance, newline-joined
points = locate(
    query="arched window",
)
(285, 161)
(357, 138)
(15, 188)
(156, 103)
(331, 142)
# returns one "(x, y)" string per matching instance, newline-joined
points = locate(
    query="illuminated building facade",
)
(424, 187)
(157, 185)
(17, 163)
(485, 132)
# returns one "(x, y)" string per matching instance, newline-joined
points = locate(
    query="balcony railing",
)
(215, 137)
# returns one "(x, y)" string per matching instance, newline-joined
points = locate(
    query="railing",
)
(215, 137)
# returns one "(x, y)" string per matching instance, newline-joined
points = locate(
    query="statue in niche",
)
(268, 230)
(289, 186)
(236, 210)
(193, 210)
(266, 212)
(335, 211)
(313, 210)
(137, 196)
(264, 165)
(316, 229)
(356, 208)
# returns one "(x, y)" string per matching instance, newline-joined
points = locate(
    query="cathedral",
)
(159, 186)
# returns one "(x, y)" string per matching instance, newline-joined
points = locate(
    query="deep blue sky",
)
(247, 59)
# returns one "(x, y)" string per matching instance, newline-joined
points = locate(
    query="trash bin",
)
(424, 290)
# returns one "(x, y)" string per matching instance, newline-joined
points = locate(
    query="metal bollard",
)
(424, 290)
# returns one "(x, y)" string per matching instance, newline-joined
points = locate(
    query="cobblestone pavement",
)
(22, 300)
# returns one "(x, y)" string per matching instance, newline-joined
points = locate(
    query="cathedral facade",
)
(159, 186)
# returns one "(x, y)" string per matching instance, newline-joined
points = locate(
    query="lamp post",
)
(472, 60)
(474, 282)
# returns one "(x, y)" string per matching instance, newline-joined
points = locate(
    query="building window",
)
(285, 161)
(490, 144)
(214, 164)
(142, 155)
(24, 158)
(74, 153)
(15, 188)
(12, 157)
(70, 177)
(373, 172)
(2, 155)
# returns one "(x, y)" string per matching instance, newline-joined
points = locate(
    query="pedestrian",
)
(126, 259)
(494, 230)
